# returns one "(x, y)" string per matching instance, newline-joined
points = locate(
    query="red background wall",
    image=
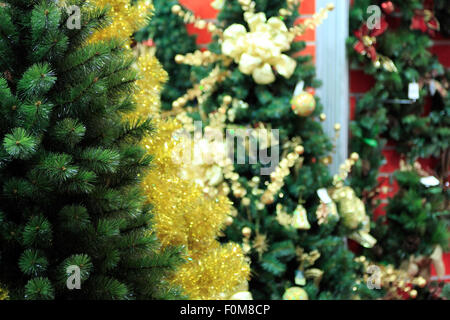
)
(359, 84)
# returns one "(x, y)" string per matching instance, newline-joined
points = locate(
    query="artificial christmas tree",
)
(398, 110)
(70, 165)
(414, 225)
(241, 89)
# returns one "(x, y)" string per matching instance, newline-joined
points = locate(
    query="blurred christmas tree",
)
(397, 57)
(296, 241)
(413, 221)
(70, 166)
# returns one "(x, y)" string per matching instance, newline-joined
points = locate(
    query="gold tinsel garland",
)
(183, 214)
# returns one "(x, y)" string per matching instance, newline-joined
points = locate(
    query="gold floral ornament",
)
(304, 270)
(260, 49)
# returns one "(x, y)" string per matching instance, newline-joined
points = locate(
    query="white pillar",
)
(332, 70)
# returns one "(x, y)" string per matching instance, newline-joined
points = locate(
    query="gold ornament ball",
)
(245, 202)
(295, 293)
(227, 99)
(323, 117)
(229, 221)
(175, 104)
(246, 232)
(337, 127)
(179, 58)
(211, 27)
(239, 193)
(304, 104)
(201, 24)
(354, 156)
(413, 294)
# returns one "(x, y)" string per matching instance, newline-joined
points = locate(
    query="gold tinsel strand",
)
(126, 18)
(183, 214)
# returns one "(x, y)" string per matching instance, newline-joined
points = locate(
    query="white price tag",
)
(429, 181)
(323, 195)
(413, 91)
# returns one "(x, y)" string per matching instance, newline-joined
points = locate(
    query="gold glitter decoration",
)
(182, 214)
(185, 216)
(151, 82)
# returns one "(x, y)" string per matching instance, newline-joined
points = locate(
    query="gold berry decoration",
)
(304, 104)
(246, 232)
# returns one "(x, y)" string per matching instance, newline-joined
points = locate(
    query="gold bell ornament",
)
(295, 293)
(300, 218)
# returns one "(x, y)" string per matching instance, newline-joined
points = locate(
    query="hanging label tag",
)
(323, 195)
(429, 181)
(413, 91)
